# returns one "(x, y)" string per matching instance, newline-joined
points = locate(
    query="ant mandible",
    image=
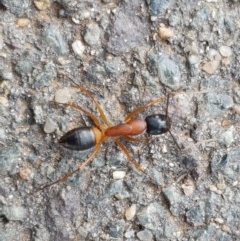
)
(84, 138)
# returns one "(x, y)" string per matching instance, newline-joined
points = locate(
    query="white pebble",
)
(236, 108)
(78, 47)
(164, 149)
(63, 95)
(130, 212)
(225, 51)
(211, 66)
(188, 187)
(165, 33)
(50, 126)
(227, 137)
(119, 174)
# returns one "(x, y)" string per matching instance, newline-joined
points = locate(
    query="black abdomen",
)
(79, 139)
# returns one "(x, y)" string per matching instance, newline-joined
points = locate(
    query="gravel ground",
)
(125, 53)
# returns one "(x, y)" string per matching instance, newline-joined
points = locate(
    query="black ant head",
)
(158, 124)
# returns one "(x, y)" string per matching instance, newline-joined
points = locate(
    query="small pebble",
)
(8, 157)
(173, 194)
(227, 137)
(171, 164)
(130, 212)
(14, 213)
(221, 186)
(225, 51)
(42, 4)
(214, 189)
(165, 33)
(145, 235)
(226, 123)
(63, 95)
(83, 233)
(25, 174)
(85, 14)
(54, 38)
(236, 108)
(92, 34)
(226, 61)
(3, 101)
(76, 19)
(6, 75)
(193, 59)
(115, 188)
(78, 47)
(219, 220)
(50, 126)
(22, 22)
(62, 13)
(129, 234)
(164, 149)
(16, 7)
(211, 66)
(168, 70)
(235, 183)
(226, 101)
(119, 174)
(213, 54)
(158, 6)
(98, 162)
(154, 18)
(188, 187)
(116, 228)
(63, 61)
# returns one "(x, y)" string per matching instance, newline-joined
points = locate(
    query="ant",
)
(84, 138)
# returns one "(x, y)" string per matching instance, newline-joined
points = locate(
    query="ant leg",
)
(89, 114)
(133, 162)
(174, 139)
(69, 174)
(132, 139)
(87, 93)
(124, 149)
(99, 108)
(141, 108)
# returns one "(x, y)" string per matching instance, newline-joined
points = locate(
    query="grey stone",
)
(17, 7)
(14, 213)
(53, 37)
(127, 32)
(167, 70)
(116, 228)
(158, 6)
(145, 235)
(92, 34)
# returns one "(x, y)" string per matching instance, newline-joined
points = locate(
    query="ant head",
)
(158, 124)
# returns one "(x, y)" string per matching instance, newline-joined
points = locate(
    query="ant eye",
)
(157, 124)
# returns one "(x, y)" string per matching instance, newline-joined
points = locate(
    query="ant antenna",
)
(174, 139)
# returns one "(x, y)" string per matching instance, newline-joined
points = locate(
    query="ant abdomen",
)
(157, 124)
(79, 139)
